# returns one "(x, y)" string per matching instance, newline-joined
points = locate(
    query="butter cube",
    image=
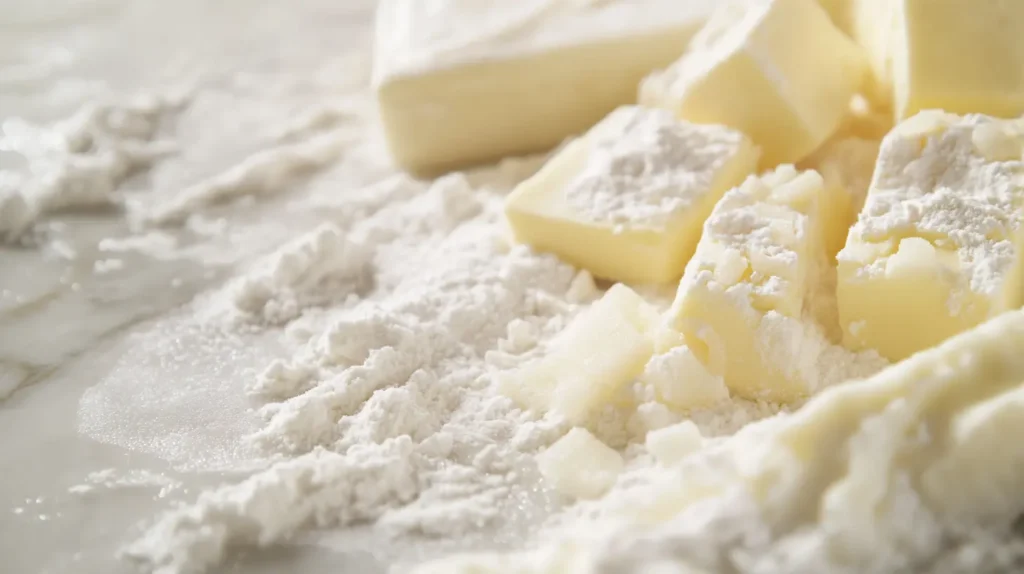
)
(627, 200)
(937, 247)
(962, 56)
(846, 165)
(460, 83)
(741, 302)
(579, 465)
(682, 382)
(777, 70)
(591, 361)
(672, 444)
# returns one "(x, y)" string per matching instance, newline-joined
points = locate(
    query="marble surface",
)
(114, 402)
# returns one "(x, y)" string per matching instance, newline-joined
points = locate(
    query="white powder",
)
(263, 173)
(646, 167)
(387, 411)
(80, 162)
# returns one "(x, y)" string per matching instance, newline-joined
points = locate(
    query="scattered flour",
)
(266, 172)
(80, 162)
(387, 410)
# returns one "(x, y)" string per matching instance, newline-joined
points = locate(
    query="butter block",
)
(627, 200)
(682, 382)
(846, 164)
(461, 82)
(777, 70)
(742, 299)
(937, 247)
(591, 361)
(671, 444)
(962, 56)
(579, 465)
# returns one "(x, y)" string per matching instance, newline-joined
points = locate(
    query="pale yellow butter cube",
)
(579, 465)
(937, 247)
(468, 81)
(963, 56)
(601, 351)
(627, 200)
(777, 70)
(671, 444)
(741, 303)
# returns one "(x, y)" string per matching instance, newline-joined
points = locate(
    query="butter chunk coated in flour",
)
(937, 247)
(778, 70)
(468, 81)
(741, 302)
(627, 200)
(601, 351)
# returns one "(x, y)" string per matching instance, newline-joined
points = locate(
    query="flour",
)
(387, 410)
(82, 161)
(263, 173)
(646, 167)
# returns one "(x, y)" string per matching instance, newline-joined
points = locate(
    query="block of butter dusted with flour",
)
(627, 200)
(741, 303)
(937, 247)
(777, 70)
(591, 361)
(467, 81)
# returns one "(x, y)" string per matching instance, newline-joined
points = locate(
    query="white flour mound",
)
(387, 409)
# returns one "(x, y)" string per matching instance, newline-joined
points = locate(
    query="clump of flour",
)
(80, 162)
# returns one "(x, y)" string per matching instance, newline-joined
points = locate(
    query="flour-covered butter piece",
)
(580, 465)
(777, 70)
(741, 303)
(627, 200)
(467, 81)
(591, 361)
(937, 247)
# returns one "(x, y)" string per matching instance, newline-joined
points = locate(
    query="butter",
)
(937, 247)
(579, 465)
(461, 82)
(745, 69)
(627, 201)
(961, 56)
(591, 361)
(741, 301)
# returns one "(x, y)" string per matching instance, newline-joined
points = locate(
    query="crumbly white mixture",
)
(646, 167)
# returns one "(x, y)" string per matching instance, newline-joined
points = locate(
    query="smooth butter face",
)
(962, 56)
(760, 256)
(519, 78)
(803, 87)
(937, 247)
(627, 201)
(600, 352)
